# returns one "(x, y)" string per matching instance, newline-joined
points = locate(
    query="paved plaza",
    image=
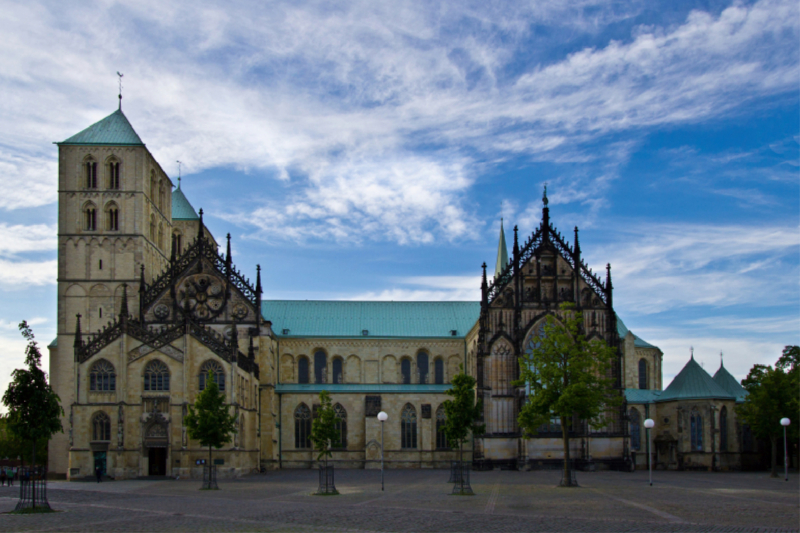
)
(419, 500)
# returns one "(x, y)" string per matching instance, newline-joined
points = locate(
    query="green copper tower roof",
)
(694, 383)
(502, 252)
(637, 341)
(113, 130)
(724, 379)
(181, 208)
(329, 318)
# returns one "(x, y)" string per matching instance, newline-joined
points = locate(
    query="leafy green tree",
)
(209, 420)
(462, 412)
(771, 395)
(568, 376)
(12, 447)
(323, 428)
(34, 410)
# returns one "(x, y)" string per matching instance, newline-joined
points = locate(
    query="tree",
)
(323, 428)
(772, 395)
(462, 412)
(209, 420)
(12, 447)
(34, 410)
(568, 377)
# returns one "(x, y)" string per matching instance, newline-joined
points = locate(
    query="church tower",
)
(114, 217)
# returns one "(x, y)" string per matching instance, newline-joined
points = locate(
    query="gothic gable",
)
(202, 285)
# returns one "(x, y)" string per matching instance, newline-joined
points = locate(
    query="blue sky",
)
(367, 150)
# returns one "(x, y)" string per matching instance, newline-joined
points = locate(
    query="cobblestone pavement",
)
(420, 500)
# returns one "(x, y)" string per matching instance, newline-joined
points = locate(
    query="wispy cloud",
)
(667, 266)
(427, 288)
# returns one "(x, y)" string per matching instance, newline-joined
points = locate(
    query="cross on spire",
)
(119, 74)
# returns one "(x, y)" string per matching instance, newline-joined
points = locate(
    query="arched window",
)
(153, 191)
(405, 371)
(161, 196)
(153, 229)
(408, 427)
(113, 174)
(636, 431)
(642, 374)
(338, 375)
(438, 371)
(341, 425)
(161, 235)
(320, 367)
(441, 437)
(101, 427)
(91, 174)
(302, 369)
(90, 217)
(178, 242)
(212, 371)
(156, 376)
(112, 217)
(422, 366)
(302, 427)
(697, 431)
(723, 429)
(102, 377)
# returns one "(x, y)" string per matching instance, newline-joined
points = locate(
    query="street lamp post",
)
(785, 422)
(648, 424)
(382, 416)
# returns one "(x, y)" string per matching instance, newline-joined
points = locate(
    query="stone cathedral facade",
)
(150, 311)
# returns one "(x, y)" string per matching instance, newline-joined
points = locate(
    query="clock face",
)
(203, 295)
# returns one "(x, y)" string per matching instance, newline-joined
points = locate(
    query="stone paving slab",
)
(419, 500)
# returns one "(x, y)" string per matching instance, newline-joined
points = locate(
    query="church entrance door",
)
(157, 461)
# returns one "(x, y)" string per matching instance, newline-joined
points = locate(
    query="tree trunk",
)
(774, 459)
(461, 462)
(33, 465)
(565, 437)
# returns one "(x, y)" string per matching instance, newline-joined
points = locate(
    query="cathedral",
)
(150, 312)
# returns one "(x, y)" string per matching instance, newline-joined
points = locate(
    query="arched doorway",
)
(156, 441)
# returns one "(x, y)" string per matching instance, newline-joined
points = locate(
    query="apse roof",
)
(328, 318)
(642, 395)
(724, 379)
(112, 130)
(638, 341)
(694, 383)
(181, 208)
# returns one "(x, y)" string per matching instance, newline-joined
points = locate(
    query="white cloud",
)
(428, 289)
(666, 266)
(19, 274)
(19, 239)
(343, 94)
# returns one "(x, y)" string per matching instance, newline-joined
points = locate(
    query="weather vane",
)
(179, 173)
(120, 88)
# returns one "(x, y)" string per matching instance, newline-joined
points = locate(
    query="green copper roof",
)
(326, 318)
(724, 379)
(641, 395)
(181, 208)
(694, 383)
(637, 341)
(502, 252)
(113, 130)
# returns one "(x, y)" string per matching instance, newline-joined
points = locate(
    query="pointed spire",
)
(142, 288)
(78, 338)
(200, 224)
(515, 250)
(577, 243)
(123, 308)
(691, 353)
(502, 252)
(545, 201)
(545, 216)
(228, 252)
(484, 285)
(258, 281)
(721, 364)
(608, 276)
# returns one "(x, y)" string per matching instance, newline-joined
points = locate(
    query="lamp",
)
(785, 422)
(649, 424)
(382, 416)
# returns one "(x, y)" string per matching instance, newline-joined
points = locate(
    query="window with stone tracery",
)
(302, 427)
(101, 427)
(696, 431)
(212, 371)
(102, 377)
(408, 427)
(341, 425)
(156, 376)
